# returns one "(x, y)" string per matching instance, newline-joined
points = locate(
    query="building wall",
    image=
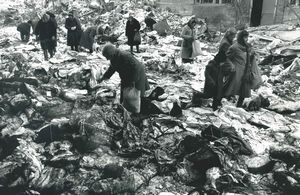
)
(219, 17)
(183, 7)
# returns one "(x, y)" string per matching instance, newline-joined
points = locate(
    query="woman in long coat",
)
(88, 37)
(131, 71)
(46, 30)
(188, 37)
(247, 75)
(74, 31)
(132, 27)
(213, 86)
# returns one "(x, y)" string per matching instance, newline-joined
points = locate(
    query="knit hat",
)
(109, 51)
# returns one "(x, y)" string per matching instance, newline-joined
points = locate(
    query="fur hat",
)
(109, 50)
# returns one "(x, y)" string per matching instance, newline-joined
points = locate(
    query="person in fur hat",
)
(24, 29)
(131, 71)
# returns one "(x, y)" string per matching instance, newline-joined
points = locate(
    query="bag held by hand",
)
(137, 38)
(196, 48)
(132, 99)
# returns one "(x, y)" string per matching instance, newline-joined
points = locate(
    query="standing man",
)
(24, 29)
(132, 27)
(74, 31)
(46, 30)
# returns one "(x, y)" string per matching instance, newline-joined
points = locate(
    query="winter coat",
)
(24, 28)
(87, 37)
(213, 86)
(186, 46)
(131, 28)
(240, 57)
(73, 36)
(46, 31)
(131, 71)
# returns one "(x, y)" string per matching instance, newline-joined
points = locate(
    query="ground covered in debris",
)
(59, 137)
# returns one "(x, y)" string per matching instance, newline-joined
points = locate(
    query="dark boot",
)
(72, 48)
(137, 49)
(91, 50)
(240, 101)
(216, 103)
(131, 49)
(45, 55)
(51, 52)
(76, 48)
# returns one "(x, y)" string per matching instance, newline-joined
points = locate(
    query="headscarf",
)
(240, 37)
(229, 32)
(109, 50)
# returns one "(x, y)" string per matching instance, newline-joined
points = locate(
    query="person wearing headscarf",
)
(46, 31)
(188, 36)
(73, 26)
(213, 86)
(24, 29)
(88, 37)
(246, 72)
(132, 27)
(131, 70)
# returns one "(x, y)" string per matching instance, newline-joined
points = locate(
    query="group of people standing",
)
(233, 71)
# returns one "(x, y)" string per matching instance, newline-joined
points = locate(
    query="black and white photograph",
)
(150, 97)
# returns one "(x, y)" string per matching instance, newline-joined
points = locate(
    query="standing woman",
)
(74, 31)
(247, 76)
(46, 30)
(188, 37)
(214, 75)
(132, 27)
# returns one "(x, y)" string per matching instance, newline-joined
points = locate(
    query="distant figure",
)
(132, 27)
(46, 30)
(74, 31)
(149, 21)
(188, 36)
(24, 29)
(53, 19)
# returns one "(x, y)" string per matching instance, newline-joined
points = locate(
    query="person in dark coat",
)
(213, 86)
(131, 71)
(188, 36)
(24, 29)
(46, 30)
(246, 74)
(149, 21)
(74, 31)
(53, 19)
(132, 27)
